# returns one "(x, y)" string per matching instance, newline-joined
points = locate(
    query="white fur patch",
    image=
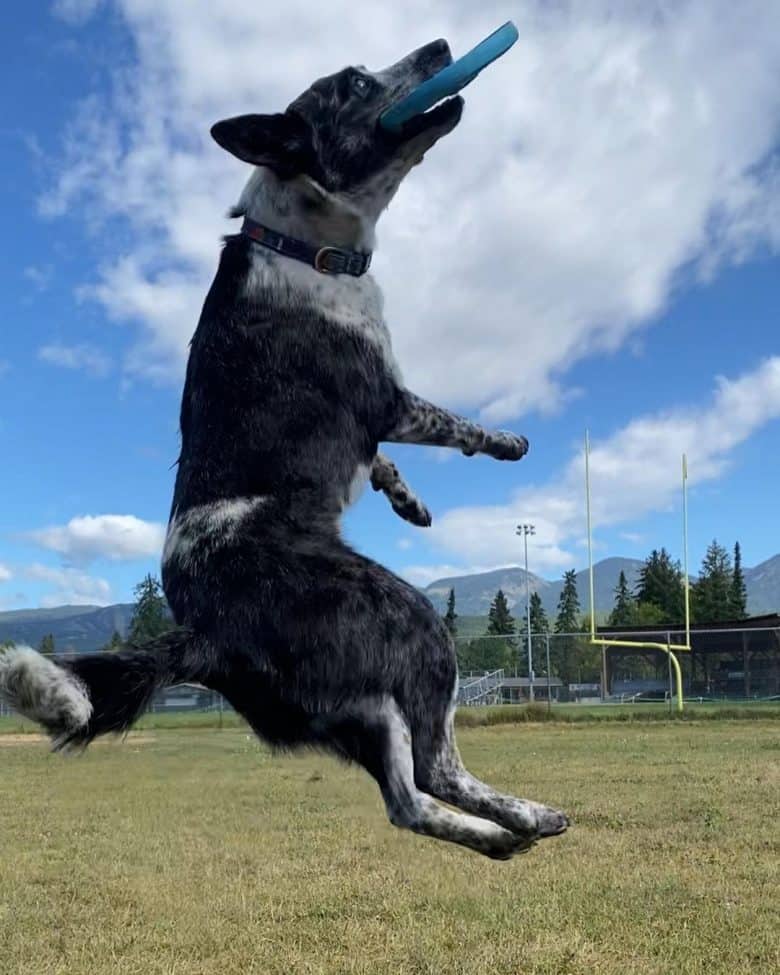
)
(39, 689)
(358, 482)
(353, 303)
(215, 523)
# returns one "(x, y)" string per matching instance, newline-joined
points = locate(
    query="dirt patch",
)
(20, 739)
(33, 739)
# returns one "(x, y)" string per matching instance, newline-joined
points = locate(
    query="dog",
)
(291, 386)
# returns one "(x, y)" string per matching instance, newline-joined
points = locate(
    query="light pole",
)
(525, 531)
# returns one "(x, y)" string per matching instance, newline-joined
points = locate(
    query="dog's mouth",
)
(445, 116)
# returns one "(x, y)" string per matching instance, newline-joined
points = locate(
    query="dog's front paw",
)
(412, 510)
(505, 446)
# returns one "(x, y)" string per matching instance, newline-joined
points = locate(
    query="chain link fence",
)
(723, 664)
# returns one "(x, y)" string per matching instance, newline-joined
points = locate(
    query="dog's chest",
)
(348, 302)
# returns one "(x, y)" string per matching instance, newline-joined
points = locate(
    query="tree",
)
(500, 620)
(624, 612)
(451, 616)
(150, 616)
(46, 646)
(738, 594)
(485, 653)
(712, 594)
(115, 643)
(563, 650)
(661, 585)
(539, 626)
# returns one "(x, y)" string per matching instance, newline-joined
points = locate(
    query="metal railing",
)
(480, 689)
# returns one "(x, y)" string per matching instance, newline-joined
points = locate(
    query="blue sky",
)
(631, 283)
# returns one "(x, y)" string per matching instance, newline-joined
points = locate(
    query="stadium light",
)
(525, 531)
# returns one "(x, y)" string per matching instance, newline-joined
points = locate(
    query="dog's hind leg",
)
(445, 777)
(375, 734)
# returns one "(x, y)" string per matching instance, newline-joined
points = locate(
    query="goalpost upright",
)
(641, 644)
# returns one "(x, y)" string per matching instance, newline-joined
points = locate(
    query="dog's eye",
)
(360, 85)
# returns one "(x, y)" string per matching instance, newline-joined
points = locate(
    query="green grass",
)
(198, 852)
(479, 716)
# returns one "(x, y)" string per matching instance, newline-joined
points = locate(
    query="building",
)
(736, 658)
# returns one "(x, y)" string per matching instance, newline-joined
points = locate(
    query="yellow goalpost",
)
(639, 644)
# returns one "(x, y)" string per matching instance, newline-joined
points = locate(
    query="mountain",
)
(605, 578)
(73, 627)
(475, 593)
(763, 586)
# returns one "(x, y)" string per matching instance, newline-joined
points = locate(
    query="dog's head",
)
(331, 133)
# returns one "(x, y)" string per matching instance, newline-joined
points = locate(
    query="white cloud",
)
(115, 537)
(39, 276)
(5, 573)
(635, 538)
(614, 146)
(405, 544)
(633, 472)
(85, 357)
(73, 587)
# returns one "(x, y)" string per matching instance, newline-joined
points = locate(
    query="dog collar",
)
(326, 260)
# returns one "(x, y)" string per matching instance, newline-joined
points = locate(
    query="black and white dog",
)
(291, 386)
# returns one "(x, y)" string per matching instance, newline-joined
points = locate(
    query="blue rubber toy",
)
(451, 79)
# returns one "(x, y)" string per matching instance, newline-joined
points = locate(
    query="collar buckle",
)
(331, 260)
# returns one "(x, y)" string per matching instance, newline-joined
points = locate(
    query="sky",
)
(596, 246)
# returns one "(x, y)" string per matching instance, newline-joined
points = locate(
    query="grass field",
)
(197, 852)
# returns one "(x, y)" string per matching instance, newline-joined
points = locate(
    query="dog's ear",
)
(282, 142)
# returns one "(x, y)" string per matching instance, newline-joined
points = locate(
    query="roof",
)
(524, 682)
(731, 636)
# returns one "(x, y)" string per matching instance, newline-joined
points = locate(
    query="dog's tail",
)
(78, 698)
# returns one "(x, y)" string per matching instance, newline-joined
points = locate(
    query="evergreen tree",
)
(46, 646)
(539, 621)
(738, 588)
(115, 643)
(539, 626)
(712, 594)
(486, 653)
(624, 612)
(500, 620)
(661, 585)
(150, 616)
(450, 617)
(563, 649)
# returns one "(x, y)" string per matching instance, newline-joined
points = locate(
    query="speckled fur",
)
(291, 386)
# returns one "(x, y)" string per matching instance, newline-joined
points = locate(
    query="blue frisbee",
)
(451, 79)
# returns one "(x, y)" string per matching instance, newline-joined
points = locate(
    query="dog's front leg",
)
(385, 478)
(421, 422)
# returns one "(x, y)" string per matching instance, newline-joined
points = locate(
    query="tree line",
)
(719, 594)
